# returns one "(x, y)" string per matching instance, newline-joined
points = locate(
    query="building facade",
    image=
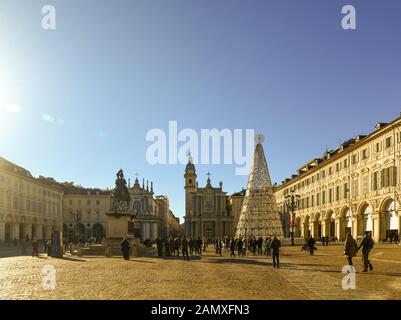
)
(34, 207)
(352, 189)
(29, 207)
(84, 212)
(207, 212)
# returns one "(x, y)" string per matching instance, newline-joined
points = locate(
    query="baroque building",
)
(352, 189)
(84, 212)
(34, 207)
(29, 207)
(207, 210)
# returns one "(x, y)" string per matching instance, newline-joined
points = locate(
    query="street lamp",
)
(292, 203)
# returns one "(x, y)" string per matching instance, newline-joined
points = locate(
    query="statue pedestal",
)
(117, 228)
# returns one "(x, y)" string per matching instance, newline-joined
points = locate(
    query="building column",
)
(303, 230)
(354, 229)
(2, 231)
(383, 226)
(376, 227)
(337, 229)
(324, 228)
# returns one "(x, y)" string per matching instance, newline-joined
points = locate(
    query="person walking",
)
(260, 246)
(232, 247)
(125, 247)
(244, 246)
(268, 247)
(219, 245)
(350, 248)
(311, 245)
(159, 244)
(184, 247)
(367, 244)
(240, 244)
(275, 245)
(35, 248)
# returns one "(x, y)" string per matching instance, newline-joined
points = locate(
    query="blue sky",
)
(85, 95)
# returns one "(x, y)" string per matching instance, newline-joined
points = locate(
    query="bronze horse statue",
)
(121, 197)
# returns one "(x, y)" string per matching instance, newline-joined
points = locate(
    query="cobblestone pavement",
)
(210, 277)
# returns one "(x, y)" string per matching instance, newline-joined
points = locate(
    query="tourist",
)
(199, 245)
(240, 244)
(184, 247)
(159, 246)
(177, 246)
(245, 246)
(268, 247)
(260, 246)
(367, 245)
(350, 248)
(311, 245)
(219, 245)
(168, 247)
(275, 245)
(125, 248)
(232, 247)
(172, 246)
(49, 247)
(35, 248)
(327, 241)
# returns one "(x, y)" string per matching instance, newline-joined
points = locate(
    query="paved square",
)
(210, 277)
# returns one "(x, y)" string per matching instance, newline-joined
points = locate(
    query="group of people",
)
(236, 246)
(351, 249)
(240, 246)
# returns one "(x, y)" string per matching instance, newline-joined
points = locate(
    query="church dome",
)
(190, 166)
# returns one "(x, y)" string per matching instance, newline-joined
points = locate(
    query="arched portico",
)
(317, 226)
(389, 223)
(306, 226)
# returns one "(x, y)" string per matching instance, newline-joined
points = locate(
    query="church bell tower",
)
(190, 185)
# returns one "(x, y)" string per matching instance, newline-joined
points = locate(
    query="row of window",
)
(88, 202)
(27, 187)
(379, 179)
(17, 203)
(78, 216)
(344, 164)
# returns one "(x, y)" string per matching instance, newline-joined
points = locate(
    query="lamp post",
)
(292, 203)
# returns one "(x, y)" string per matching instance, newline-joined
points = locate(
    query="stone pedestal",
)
(117, 229)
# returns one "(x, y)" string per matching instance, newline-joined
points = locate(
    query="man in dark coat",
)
(350, 248)
(275, 245)
(159, 245)
(125, 247)
(367, 245)
(232, 247)
(184, 247)
(311, 245)
(240, 244)
(35, 248)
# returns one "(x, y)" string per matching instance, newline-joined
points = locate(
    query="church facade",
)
(209, 210)
(206, 209)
